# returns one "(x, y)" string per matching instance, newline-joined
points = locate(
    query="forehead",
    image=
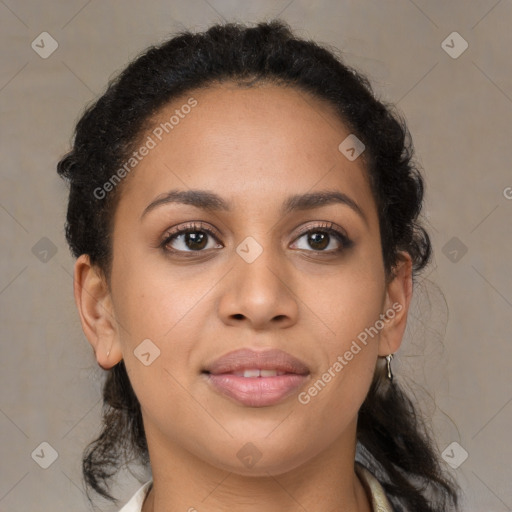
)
(253, 145)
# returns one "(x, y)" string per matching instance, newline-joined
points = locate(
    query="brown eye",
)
(195, 240)
(323, 239)
(189, 239)
(318, 241)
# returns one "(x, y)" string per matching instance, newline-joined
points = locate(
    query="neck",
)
(328, 481)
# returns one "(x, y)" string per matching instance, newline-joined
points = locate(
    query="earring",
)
(388, 362)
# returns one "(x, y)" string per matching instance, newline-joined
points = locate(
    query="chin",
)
(261, 457)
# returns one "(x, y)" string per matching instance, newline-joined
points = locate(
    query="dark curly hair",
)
(392, 437)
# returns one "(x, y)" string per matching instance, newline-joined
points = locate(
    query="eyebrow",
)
(210, 201)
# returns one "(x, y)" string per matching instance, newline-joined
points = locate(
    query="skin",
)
(254, 147)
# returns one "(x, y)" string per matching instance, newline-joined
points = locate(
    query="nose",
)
(259, 294)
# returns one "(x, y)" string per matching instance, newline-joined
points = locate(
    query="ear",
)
(396, 306)
(93, 300)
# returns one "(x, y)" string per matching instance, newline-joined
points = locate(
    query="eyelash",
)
(193, 227)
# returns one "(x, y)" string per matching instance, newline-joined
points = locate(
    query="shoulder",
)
(376, 493)
(136, 501)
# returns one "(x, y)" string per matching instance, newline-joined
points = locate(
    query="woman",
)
(244, 214)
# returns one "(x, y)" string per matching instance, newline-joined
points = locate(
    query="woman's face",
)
(241, 169)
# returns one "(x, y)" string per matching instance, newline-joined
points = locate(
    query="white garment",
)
(373, 487)
(136, 501)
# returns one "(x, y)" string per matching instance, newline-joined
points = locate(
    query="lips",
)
(256, 379)
(247, 359)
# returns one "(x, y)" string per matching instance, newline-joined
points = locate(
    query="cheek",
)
(346, 302)
(157, 313)
(349, 306)
(153, 300)
(163, 311)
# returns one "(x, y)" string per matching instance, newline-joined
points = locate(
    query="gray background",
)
(457, 353)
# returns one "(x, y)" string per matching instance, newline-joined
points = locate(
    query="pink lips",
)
(279, 375)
